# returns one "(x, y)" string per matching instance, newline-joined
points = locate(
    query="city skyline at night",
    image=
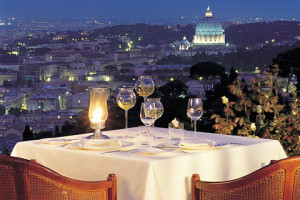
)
(117, 9)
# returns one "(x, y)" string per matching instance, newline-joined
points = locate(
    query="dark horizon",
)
(155, 9)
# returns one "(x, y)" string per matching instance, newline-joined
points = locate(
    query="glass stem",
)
(195, 127)
(97, 134)
(126, 119)
(145, 99)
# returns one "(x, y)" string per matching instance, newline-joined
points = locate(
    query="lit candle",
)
(97, 116)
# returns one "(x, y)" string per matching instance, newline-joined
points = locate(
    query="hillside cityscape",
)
(48, 65)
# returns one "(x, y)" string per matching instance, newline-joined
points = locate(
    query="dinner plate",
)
(57, 141)
(197, 145)
(101, 145)
(173, 146)
(155, 152)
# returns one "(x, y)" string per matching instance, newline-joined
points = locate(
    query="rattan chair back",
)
(22, 179)
(278, 181)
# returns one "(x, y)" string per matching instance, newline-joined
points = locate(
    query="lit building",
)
(208, 32)
(184, 44)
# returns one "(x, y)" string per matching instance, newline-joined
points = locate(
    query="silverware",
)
(116, 151)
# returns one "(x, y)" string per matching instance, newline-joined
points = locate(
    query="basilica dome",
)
(209, 26)
(209, 31)
(184, 41)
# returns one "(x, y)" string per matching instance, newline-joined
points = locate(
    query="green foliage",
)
(287, 64)
(206, 70)
(174, 89)
(207, 73)
(261, 113)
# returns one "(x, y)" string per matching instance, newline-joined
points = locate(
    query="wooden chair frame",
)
(289, 165)
(19, 165)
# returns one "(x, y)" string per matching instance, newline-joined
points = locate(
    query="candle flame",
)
(97, 116)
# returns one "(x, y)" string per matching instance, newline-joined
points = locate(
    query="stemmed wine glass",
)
(195, 111)
(147, 116)
(144, 86)
(157, 105)
(126, 99)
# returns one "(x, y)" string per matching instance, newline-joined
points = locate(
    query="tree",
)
(171, 60)
(207, 73)
(27, 134)
(57, 132)
(287, 64)
(43, 134)
(110, 69)
(67, 128)
(2, 110)
(174, 99)
(174, 89)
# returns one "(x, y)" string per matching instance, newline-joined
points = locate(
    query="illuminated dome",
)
(184, 41)
(184, 44)
(209, 31)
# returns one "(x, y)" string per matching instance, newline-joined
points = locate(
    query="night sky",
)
(222, 9)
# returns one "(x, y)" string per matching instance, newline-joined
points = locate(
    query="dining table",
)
(160, 172)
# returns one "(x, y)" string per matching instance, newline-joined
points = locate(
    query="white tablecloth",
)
(156, 177)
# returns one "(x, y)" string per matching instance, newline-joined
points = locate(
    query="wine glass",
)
(126, 99)
(157, 105)
(195, 111)
(147, 116)
(144, 86)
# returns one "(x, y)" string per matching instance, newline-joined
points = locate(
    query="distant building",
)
(8, 75)
(44, 102)
(208, 31)
(10, 66)
(78, 102)
(184, 44)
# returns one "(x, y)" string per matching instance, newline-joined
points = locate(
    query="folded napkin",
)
(197, 146)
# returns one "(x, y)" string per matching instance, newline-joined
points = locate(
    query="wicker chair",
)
(279, 180)
(22, 179)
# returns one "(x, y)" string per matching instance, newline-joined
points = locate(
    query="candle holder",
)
(98, 111)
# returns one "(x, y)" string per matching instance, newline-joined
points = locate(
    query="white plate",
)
(155, 151)
(201, 145)
(101, 145)
(54, 141)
